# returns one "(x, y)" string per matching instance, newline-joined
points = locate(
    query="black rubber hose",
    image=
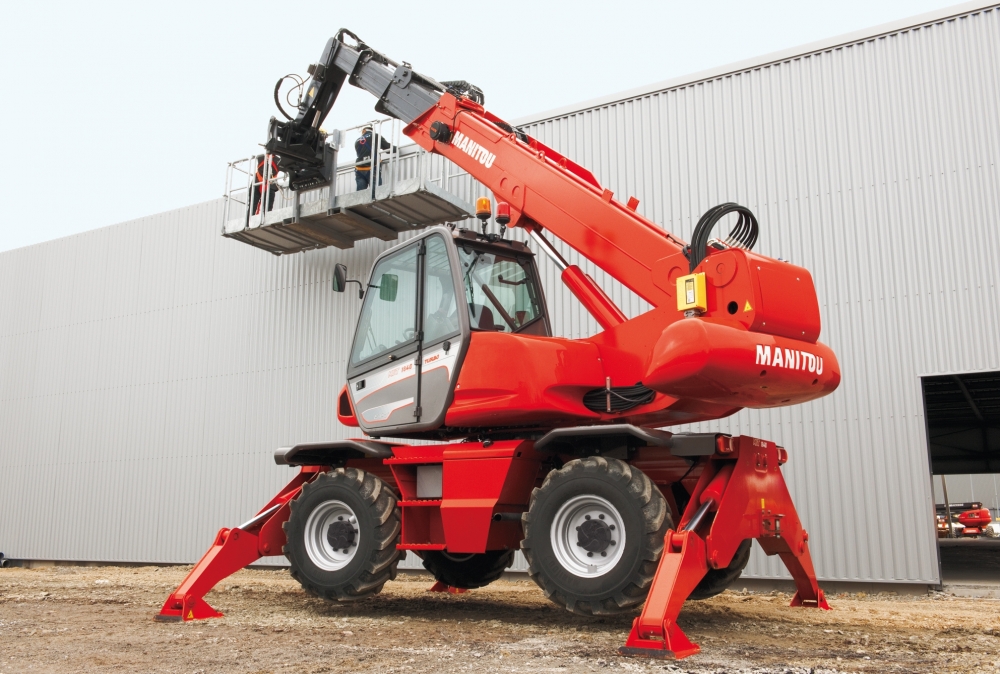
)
(277, 102)
(743, 235)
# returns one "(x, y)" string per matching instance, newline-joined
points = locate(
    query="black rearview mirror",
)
(387, 287)
(339, 278)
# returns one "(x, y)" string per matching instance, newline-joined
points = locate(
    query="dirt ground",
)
(99, 619)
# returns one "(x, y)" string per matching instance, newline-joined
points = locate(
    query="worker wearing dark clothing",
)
(363, 167)
(258, 187)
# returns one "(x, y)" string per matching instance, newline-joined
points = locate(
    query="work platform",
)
(310, 219)
(411, 204)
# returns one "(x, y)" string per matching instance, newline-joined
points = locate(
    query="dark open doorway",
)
(963, 422)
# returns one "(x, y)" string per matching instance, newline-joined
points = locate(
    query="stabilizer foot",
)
(441, 587)
(818, 602)
(188, 608)
(674, 646)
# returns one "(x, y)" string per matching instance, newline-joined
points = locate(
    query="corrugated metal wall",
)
(147, 370)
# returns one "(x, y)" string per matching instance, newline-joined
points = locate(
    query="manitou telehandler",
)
(543, 444)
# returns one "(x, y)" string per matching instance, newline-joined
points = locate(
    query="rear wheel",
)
(342, 534)
(593, 535)
(468, 571)
(717, 581)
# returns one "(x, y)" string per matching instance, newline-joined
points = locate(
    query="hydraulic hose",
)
(743, 234)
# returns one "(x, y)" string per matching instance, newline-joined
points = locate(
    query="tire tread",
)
(381, 565)
(656, 521)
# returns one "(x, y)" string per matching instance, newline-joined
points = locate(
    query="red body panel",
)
(719, 362)
(524, 380)
(478, 481)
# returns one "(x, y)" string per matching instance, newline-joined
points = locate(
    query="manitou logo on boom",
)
(473, 149)
(789, 359)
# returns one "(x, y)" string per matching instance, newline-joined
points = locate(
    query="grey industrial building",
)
(149, 369)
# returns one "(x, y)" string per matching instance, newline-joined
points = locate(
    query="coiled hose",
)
(743, 234)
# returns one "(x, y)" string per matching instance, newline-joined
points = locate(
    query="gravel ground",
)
(99, 619)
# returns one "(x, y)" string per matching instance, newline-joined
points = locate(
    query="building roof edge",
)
(854, 37)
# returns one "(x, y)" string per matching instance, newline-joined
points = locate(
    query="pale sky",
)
(117, 110)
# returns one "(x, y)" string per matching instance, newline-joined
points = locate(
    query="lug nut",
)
(614, 542)
(604, 554)
(586, 517)
(590, 554)
(600, 517)
(340, 518)
(612, 527)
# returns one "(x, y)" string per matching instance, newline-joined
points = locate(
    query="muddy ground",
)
(99, 619)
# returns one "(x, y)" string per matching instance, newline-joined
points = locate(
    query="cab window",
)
(440, 306)
(500, 291)
(389, 314)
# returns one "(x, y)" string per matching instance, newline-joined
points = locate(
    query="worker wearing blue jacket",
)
(363, 147)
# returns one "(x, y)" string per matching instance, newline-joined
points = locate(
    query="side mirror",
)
(387, 287)
(339, 278)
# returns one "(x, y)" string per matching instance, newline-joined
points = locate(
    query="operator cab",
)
(424, 301)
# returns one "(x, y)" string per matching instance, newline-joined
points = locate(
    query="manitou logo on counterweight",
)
(790, 359)
(473, 149)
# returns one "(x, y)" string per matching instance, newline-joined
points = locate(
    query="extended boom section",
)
(549, 445)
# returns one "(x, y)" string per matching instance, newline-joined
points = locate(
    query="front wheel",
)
(593, 535)
(342, 534)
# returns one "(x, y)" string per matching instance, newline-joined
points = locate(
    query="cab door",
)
(410, 339)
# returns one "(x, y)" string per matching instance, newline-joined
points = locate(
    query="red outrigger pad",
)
(749, 499)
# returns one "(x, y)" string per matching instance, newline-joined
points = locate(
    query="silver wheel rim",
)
(318, 547)
(565, 537)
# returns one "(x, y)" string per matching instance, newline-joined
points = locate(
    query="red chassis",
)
(736, 494)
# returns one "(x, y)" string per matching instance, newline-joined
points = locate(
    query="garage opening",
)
(962, 413)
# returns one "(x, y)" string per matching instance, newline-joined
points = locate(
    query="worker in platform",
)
(258, 188)
(363, 147)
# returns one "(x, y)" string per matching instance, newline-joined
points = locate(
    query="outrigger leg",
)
(233, 550)
(743, 486)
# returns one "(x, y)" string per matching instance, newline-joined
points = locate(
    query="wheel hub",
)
(594, 535)
(341, 534)
(588, 536)
(332, 535)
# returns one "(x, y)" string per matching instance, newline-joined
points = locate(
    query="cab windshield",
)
(500, 290)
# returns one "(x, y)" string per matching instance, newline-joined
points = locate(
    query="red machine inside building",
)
(549, 445)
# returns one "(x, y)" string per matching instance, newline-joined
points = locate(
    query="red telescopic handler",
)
(543, 444)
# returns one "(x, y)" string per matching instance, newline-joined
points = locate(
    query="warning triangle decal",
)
(748, 307)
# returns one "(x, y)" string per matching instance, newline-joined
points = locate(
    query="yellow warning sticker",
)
(747, 307)
(190, 615)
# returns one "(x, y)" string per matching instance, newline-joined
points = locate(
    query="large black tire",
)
(320, 567)
(468, 571)
(561, 503)
(717, 581)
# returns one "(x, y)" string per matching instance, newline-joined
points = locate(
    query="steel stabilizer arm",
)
(233, 550)
(655, 633)
(743, 486)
